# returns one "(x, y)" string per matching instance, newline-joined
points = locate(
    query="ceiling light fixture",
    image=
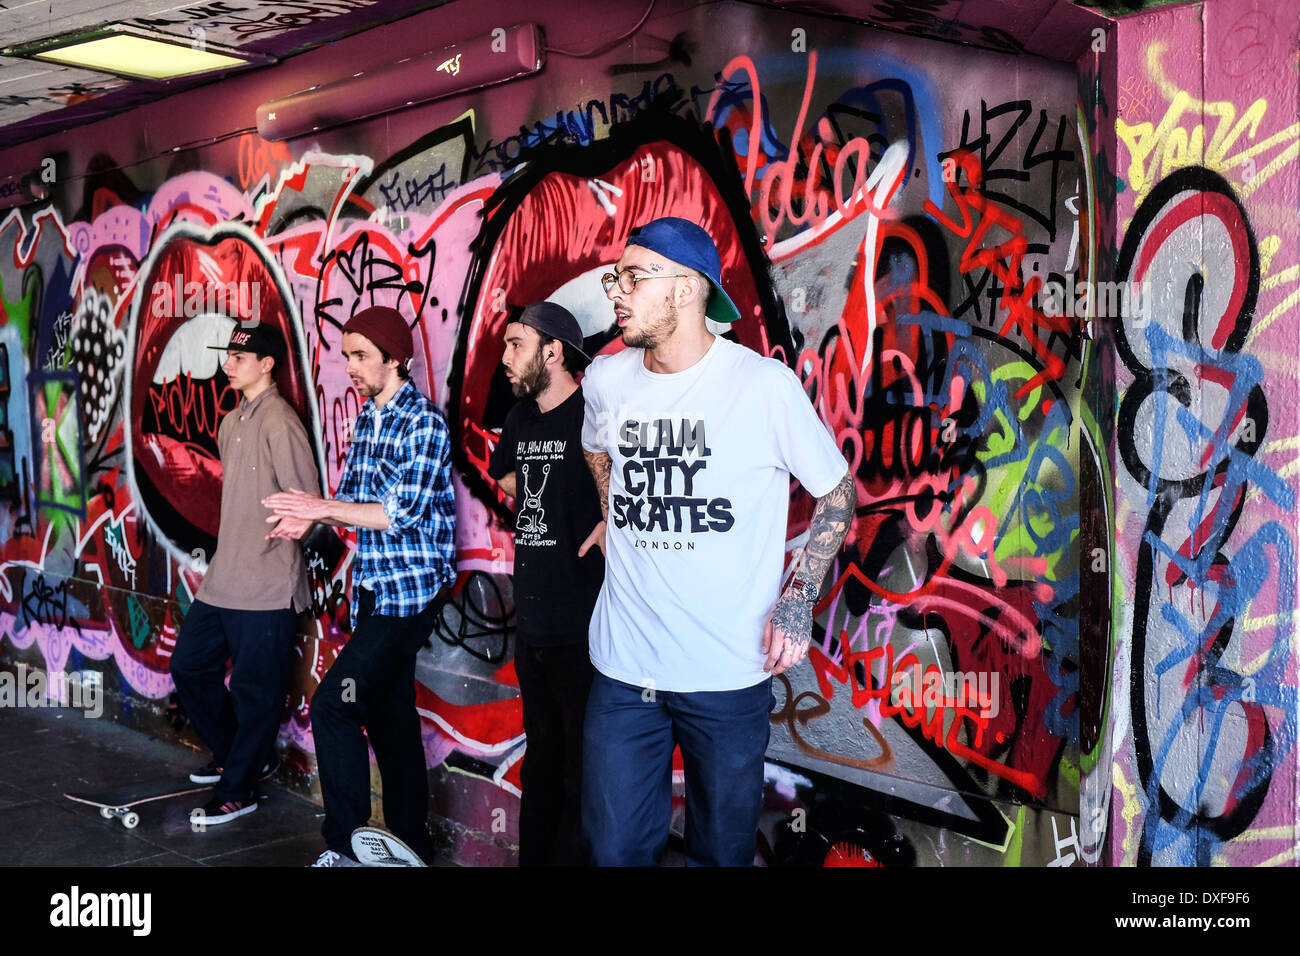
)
(136, 54)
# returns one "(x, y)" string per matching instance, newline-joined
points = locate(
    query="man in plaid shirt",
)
(396, 491)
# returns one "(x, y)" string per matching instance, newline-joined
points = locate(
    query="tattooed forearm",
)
(600, 463)
(830, 523)
(790, 627)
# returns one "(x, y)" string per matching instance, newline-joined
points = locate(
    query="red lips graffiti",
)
(570, 212)
(196, 285)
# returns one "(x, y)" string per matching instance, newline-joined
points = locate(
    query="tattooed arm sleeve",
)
(600, 464)
(792, 616)
(830, 523)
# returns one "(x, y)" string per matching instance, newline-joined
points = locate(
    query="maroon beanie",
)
(386, 328)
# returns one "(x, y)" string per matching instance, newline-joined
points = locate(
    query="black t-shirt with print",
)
(555, 590)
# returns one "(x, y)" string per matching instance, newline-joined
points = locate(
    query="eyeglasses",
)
(627, 280)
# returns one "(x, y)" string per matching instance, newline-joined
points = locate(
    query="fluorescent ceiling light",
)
(139, 54)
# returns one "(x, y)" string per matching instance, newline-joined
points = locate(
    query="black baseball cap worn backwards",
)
(555, 321)
(689, 245)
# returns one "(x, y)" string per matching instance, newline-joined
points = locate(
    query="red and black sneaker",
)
(221, 811)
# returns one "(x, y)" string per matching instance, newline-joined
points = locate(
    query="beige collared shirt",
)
(264, 449)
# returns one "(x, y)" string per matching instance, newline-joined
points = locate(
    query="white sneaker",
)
(376, 847)
(330, 858)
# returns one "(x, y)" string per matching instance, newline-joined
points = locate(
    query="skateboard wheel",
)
(106, 813)
(131, 821)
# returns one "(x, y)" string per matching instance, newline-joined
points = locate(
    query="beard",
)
(534, 379)
(655, 333)
(366, 388)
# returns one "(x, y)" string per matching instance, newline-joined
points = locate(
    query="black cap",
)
(260, 339)
(555, 321)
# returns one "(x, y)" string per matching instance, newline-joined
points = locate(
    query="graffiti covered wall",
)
(1204, 676)
(891, 224)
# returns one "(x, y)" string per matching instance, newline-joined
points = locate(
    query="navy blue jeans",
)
(628, 743)
(239, 724)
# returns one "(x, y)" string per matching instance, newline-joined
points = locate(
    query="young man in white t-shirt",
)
(692, 440)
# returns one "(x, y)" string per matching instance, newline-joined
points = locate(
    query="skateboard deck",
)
(374, 846)
(122, 801)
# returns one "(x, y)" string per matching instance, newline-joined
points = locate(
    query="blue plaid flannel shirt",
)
(407, 469)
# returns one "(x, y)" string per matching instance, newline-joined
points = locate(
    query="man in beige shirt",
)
(247, 607)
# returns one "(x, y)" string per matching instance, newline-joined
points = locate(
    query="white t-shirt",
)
(699, 493)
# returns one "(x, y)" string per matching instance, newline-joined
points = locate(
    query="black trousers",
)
(372, 685)
(239, 724)
(553, 682)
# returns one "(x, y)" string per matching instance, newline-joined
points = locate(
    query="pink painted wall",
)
(1203, 699)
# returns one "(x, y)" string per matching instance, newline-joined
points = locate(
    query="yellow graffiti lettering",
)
(1132, 807)
(1157, 149)
(1270, 281)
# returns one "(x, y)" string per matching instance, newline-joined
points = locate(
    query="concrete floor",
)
(46, 752)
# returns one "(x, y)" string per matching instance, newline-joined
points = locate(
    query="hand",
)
(293, 528)
(787, 634)
(597, 538)
(297, 504)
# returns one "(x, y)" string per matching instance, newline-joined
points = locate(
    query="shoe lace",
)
(328, 858)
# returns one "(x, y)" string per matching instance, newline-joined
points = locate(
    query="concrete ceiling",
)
(38, 98)
(1054, 29)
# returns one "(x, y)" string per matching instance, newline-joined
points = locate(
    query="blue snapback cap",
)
(687, 244)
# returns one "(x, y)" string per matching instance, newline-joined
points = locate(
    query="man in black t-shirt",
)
(559, 567)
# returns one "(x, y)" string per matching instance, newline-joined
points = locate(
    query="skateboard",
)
(373, 846)
(120, 803)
